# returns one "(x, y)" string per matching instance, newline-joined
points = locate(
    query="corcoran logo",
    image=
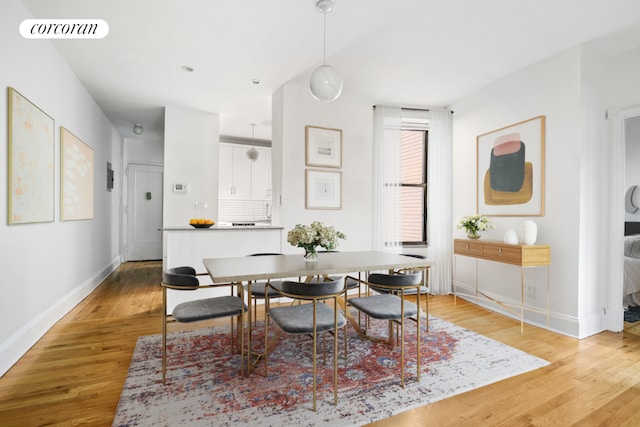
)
(64, 29)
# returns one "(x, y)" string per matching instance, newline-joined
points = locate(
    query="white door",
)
(144, 219)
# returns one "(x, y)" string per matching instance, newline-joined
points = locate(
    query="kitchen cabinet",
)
(240, 178)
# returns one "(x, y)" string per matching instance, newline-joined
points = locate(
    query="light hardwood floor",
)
(74, 374)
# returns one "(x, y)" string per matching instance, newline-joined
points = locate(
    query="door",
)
(144, 209)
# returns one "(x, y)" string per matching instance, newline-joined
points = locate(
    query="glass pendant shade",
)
(325, 83)
(253, 154)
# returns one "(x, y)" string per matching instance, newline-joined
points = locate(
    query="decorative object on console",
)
(528, 232)
(510, 173)
(325, 83)
(511, 237)
(474, 224)
(309, 237)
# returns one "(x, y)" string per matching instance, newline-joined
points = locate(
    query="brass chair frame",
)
(168, 318)
(286, 290)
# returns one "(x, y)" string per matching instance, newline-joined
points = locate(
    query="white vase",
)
(511, 237)
(528, 232)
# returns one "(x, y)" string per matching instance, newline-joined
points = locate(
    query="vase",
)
(310, 254)
(511, 237)
(528, 233)
(473, 235)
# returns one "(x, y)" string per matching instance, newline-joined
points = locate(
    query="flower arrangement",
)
(473, 224)
(311, 236)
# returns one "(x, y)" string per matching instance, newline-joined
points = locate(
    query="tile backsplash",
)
(244, 210)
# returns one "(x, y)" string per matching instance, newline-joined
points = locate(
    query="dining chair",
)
(390, 304)
(258, 287)
(185, 279)
(311, 317)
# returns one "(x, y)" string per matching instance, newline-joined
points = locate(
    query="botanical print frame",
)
(323, 146)
(76, 180)
(31, 162)
(323, 189)
(510, 170)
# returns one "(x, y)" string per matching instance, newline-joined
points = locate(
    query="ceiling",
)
(407, 52)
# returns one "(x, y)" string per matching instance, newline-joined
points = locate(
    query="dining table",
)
(248, 269)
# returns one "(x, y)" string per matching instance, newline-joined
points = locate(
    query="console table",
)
(522, 256)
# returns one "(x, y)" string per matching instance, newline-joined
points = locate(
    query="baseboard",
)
(558, 322)
(14, 347)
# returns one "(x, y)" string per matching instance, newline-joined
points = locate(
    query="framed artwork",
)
(323, 146)
(323, 189)
(31, 162)
(510, 170)
(76, 180)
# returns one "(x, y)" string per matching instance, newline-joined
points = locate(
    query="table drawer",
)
(463, 247)
(509, 254)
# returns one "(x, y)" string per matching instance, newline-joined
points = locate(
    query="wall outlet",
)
(530, 290)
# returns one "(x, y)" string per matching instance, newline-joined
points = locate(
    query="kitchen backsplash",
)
(244, 210)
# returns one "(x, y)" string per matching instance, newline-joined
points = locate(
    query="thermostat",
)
(180, 188)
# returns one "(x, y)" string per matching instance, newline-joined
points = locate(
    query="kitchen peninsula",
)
(186, 245)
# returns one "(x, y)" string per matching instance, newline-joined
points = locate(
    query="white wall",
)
(293, 109)
(550, 88)
(573, 90)
(49, 267)
(191, 141)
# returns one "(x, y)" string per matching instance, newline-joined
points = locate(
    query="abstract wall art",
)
(31, 162)
(510, 170)
(76, 181)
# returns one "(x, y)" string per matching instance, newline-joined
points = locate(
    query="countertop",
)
(217, 227)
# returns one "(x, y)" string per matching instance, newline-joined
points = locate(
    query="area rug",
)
(632, 314)
(204, 386)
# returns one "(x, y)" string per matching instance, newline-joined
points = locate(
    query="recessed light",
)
(187, 69)
(256, 81)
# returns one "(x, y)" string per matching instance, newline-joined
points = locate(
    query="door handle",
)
(148, 195)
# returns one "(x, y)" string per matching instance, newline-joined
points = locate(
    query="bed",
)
(631, 264)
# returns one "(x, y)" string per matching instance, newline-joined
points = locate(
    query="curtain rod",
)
(412, 109)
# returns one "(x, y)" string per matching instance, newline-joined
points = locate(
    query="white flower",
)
(474, 223)
(314, 235)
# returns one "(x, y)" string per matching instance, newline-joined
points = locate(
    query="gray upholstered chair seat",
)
(298, 319)
(258, 288)
(210, 308)
(384, 306)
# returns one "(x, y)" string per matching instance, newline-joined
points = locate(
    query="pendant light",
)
(252, 153)
(326, 82)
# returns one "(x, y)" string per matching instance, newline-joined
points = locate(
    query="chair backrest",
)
(182, 278)
(317, 289)
(396, 280)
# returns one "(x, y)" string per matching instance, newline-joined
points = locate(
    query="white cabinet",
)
(240, 178)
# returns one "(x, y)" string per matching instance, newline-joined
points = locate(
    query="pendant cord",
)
(324, 41)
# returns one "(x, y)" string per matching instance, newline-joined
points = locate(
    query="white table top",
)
(239, 269)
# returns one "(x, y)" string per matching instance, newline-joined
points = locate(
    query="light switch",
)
(199, 204)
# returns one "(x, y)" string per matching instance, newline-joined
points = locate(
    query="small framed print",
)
(323, 189)
(323, 146)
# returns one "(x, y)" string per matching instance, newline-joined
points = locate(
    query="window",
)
(413, 197)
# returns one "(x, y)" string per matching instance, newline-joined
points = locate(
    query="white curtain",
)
(439, 200)
(387, 179)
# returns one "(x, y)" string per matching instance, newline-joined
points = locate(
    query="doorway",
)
(618, 118)
(144, 212)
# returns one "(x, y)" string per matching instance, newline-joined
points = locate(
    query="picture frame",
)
(76, 179)
(511, 170)
(323, 146)
(323, 189)
(31, 169)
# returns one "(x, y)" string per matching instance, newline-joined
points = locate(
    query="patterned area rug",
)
(204, 386)
(632, 314)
